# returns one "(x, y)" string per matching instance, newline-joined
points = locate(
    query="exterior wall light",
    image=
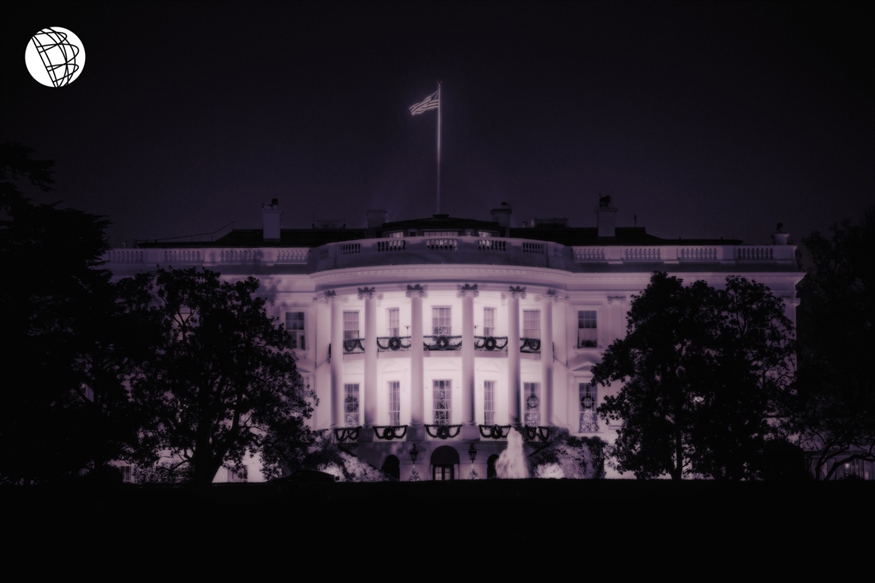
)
(472, 452)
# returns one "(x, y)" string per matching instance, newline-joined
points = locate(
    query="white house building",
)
(429, 338)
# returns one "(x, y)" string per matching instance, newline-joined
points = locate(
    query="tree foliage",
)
(837, 417)
(707, 378)
(56, 419)
(221, 382)
(569, 456)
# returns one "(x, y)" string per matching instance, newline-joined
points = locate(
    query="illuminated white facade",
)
(443, 332)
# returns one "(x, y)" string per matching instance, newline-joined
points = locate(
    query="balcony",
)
(353, 345)
(490, 343)
(530, 345)
(459, 250)
(393, 343)
(442, 343)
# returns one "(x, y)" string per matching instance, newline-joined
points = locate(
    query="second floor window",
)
(531, 323)
(295, 328)
(489, 321)
(441, 321)
(587, 329)
(350, 325)
(392, 316)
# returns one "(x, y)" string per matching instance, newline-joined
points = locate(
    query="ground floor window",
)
(532, 392)
(351, 404)
(588, 403)
(394, 403)
(443, 396)
(489, 403)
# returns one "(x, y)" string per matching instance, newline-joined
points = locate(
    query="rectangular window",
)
(588, 402)
(392, 315)
(351, 404)
(489, 322)
(440, 233)
(295, 328)
(489, 403)
(531, 323)
(394, 403)
(443, 397)
(441, 321)
(587, 329)
(532, 392)
(350, 325)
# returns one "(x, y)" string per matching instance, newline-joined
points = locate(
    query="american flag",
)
(429, 103)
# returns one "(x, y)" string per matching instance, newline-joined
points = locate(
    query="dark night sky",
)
(704, 119)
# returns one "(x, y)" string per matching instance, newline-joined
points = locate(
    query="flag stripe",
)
(427, 104)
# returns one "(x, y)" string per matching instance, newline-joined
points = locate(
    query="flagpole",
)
(439, 151)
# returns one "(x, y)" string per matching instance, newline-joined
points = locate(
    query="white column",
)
(469, 425)
(416, 431)
(337, 413)
(547, 358)
(514, 387)
(370, 343)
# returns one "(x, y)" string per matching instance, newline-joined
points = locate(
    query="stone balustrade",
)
(456, 250)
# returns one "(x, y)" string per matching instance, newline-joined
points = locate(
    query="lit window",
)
(440, 233)
(441, 321)
(442, 393)
(489, 403)
(394, 235)
(394, 403)
(588, 403)
(587, 329)
(295, 328)
(350, 325)
(531, 323)
(489, 321)
(532, 392)
(351, 404)
(393, 318)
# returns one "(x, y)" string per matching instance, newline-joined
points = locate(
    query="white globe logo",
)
(55, 56)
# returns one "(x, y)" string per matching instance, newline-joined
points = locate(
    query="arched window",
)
(443, 463)
(392, 467)
(490, 466)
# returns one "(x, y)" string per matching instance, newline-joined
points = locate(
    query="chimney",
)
(606, 218)
(501, 215)
(270, 220)
(779, 237)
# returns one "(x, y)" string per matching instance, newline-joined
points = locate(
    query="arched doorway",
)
(490, 466)
(392, 467)
(443, 463)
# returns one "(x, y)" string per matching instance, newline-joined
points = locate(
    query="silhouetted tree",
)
(54, 421)
(707, 378)
(221, 382)
(837, 417)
